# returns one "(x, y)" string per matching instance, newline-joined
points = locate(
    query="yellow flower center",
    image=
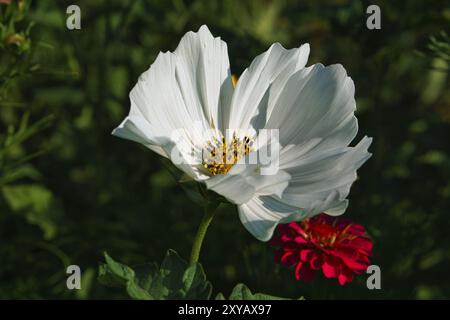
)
(219, 156)
(325, 235)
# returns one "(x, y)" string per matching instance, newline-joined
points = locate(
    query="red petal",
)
(330, 267)
(304, 272)
(288, 259)
(363, 244)
(356, 229)
(316, 262)
(352, 259)
(306, 254)
(296, 227)
(300, 240)
(345, 276)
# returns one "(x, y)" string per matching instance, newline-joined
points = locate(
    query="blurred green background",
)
(69, 190)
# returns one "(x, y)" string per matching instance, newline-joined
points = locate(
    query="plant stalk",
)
(201, 232)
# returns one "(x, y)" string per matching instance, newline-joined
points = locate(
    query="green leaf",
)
(120, 270)
(263, 296)
(172, 269)
(114, 273)
(195, 284)
(145, 274)
(168, 282)
(173, 280)
(220, 296)
(136, 292)
(242, 292)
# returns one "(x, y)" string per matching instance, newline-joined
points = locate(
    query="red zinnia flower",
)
(337, 246)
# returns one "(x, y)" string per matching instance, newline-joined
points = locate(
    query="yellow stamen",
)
(234, 80)
(219, 156)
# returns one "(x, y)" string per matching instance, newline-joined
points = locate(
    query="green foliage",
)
(440, 46)
(174, 279)
(242, 292)
(36, 203)
(15, 43)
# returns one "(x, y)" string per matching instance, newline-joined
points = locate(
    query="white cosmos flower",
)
(191, 90)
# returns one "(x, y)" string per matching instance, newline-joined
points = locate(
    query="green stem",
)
(201, 232)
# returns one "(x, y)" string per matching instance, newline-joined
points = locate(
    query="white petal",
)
(315, 109)
(203, 73)
(337, 210)
(158, 97)
(243, 182)
(261, 83)
(233, 185)
(184, 92)
(137, 129)
(261, 215)
(321, 181)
